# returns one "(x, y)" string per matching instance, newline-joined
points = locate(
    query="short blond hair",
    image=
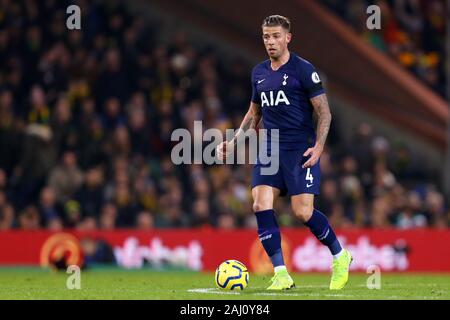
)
(277, 20)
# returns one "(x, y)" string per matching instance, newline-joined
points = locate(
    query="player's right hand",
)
(224, 149)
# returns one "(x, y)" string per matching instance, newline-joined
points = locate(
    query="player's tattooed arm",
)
(251, 120)
(322, 110)
(255, 115)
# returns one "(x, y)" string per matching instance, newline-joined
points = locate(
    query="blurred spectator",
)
(172, 217)
(87, 224)
(39, 110)
(56, 224)
(434, 207)
(226, 222)
(72, 213)
(66, 178)
(29, 218)
(201, 213)
(37, 159)
(62, 125)
(6, 217)
(48, 208)
(108, 216)
(145, 221)
(97, 252)
(412, 215)
(90, 194)
(113, 80)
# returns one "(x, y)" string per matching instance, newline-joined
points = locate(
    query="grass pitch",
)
(35, 283)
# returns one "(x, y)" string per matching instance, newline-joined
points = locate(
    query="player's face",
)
(276, 40)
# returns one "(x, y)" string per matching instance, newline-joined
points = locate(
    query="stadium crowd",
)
(86, 118)
(413, 32)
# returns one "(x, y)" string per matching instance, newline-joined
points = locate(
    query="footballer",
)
(286, 91)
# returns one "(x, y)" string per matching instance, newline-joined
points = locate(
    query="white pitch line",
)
(217, 291)
(303, 294)
(298, 294)
(212, 290)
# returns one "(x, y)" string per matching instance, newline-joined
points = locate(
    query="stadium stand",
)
(86, 119)
(413, 34)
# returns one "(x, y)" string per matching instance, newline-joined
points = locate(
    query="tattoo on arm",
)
(251, 120)
(256, 117)
(322, 109)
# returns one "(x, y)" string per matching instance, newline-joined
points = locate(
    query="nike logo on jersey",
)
(309, 185)
(259, 81)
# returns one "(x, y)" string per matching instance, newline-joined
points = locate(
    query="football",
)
(232, 275)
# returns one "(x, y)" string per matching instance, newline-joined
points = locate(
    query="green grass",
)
(34, 283)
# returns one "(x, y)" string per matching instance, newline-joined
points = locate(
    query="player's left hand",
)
(315, 153)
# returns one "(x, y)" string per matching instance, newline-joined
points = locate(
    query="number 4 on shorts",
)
(309, 176)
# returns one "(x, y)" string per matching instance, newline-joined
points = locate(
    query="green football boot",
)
(281, 281)
(341, 266)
